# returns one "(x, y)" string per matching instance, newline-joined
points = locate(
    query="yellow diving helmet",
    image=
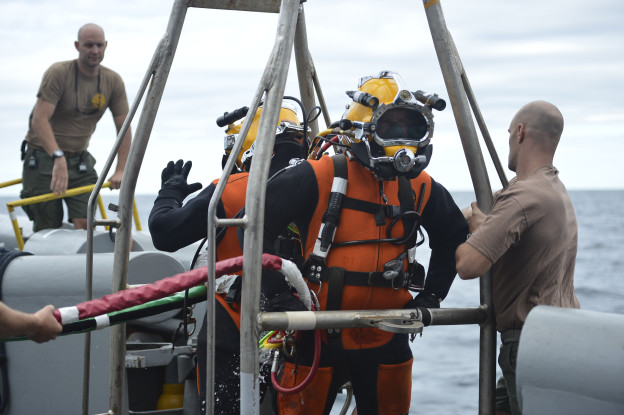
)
(391, 126)
(288, 128)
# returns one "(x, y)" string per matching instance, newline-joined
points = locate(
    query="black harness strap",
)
(335, 278)
(407, 198)
(381, 212)
(363, 279)
(315, 263)
(332, 215)
(335, 275)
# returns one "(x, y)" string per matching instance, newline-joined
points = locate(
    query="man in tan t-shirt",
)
(72, 98)
(529, 238)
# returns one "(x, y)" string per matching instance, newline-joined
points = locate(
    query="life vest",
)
(233, 200)
(366, 212)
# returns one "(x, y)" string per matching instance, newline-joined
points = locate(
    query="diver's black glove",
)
(285, 301)
(173, 181)
(424, 299)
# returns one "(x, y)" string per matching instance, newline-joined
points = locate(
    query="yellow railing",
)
(51, 196)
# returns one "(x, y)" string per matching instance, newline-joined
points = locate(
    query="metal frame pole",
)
(487, 139)
(165, 53)
(449, 64)
(91, 228)
(305, 69)
(313, 320)
(321, 98)
(291, 31)
(213, 222)
(277, 71)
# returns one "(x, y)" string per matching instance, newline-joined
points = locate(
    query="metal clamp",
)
(400, 326)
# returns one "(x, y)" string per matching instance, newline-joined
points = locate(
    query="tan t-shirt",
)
(531, 237)
(79, 106)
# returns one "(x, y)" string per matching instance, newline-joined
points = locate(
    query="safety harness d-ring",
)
(313, 369)
(311, 374)
(288, 344)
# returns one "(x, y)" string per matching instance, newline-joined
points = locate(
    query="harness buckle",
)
(415, 280)
(393, 271)
(313, 269)
(394, 267)
(289, 344)
(234, 293)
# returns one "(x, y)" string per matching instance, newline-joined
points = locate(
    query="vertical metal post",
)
(213, 222)
(452, 78)
(90, 230)
(484, 131)
(321, 98)
(305, 69)
(477, 114)
(277, 70)
(165, 52)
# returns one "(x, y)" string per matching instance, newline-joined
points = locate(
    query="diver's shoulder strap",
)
(332, 214)
(407, 199)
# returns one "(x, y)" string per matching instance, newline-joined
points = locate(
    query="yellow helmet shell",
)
(286, 115)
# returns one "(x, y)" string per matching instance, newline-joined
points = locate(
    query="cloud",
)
(568, 52)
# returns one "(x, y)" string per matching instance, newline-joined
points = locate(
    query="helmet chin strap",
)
(386, 171)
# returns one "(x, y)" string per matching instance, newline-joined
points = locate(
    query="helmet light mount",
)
(430, 100)
(364, 98)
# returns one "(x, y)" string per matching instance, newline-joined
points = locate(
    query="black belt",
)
(510, 336)
(68, 154)
(367, 279)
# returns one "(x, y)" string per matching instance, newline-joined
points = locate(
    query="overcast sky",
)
(569, 52)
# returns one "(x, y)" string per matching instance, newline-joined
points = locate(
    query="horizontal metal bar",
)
(242, 222)
(153, 354)
(10, 183)
(115, 223)
(308, 320)
(264, 6)
(51, 196)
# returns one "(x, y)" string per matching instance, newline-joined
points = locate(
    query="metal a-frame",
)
(291, 31)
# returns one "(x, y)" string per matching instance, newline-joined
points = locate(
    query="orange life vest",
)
(357, 225)
(233, 199)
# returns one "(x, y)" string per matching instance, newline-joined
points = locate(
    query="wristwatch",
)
(57, 154)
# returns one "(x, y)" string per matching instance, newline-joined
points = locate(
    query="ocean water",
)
(446, 358)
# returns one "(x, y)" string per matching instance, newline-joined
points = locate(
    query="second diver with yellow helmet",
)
(174, 224)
